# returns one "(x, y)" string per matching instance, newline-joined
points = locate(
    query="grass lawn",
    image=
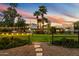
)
(48, 38)
(41, 38)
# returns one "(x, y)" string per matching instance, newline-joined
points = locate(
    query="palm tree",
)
(37, 14)
(43, 10)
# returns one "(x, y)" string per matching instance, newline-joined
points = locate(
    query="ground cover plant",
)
(11, 41)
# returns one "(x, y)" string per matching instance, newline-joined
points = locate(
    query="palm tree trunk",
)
(42, 15)
(37, 23)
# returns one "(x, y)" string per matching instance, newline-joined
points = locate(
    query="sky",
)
(57, 12)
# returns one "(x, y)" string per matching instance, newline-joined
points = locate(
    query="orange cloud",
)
(56, 19)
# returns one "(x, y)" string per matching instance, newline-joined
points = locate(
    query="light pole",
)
(76, 30)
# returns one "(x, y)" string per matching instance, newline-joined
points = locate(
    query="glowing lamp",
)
(17, 34)
(7, 34)
(2, 33)
(12, 33)
(22, 34)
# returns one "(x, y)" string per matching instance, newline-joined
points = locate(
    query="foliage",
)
(41, 11)
(11, 42)
(76, 28)
(65, 42)
(53, 30)
(9, 15)
(20, 22)
(76, 25)
(5, 30)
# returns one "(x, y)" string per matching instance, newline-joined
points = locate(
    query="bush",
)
(5, 30)
(70, 43)
(11, 42)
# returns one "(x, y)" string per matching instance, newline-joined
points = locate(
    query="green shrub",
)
(11, 42)
(5, 30)
(70, 43)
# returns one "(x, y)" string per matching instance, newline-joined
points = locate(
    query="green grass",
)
(48, 38)
(41, 38)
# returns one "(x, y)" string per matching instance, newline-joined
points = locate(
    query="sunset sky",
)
(57, 12)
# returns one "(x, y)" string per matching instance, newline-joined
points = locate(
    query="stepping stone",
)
(37, 43)
(39, 54)
(38, 49)
(36, 46)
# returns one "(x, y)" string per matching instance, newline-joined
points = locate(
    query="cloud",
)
(65, 11)
(59, 20)
(56, 19)
(52, 18)
(21, 12)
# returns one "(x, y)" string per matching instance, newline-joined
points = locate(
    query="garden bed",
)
(7, 42)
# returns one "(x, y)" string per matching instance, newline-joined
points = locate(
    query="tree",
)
(37, 14)
(8, 21)
(10, 14)
(43, 10)
(14, 13)
(76, 28)
(20, 23)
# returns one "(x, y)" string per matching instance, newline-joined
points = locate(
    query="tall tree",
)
(10, 14)
(43, 11)
(37, 14)
(7, 16)
(13, 11)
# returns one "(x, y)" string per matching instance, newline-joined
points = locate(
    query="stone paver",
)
(36, 43)
(39, 49)
(36, 46)
(39, 54)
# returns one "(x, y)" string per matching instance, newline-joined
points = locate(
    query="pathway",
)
(40, 49)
